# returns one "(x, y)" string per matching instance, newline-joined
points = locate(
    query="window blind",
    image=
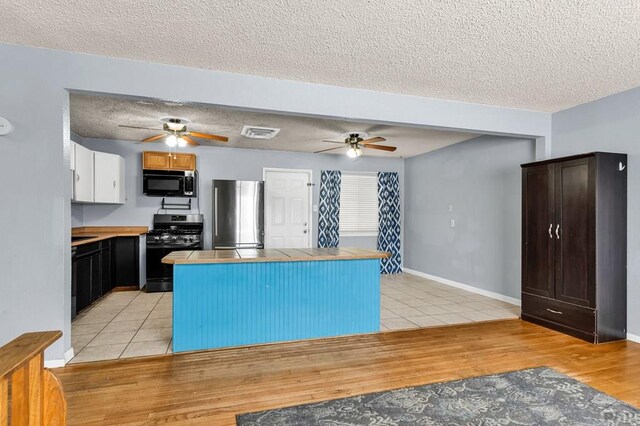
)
(359, 204)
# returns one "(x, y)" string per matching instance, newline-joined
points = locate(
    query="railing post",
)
(19, 397)
(36, 396)
(4, 401)
(36, 367)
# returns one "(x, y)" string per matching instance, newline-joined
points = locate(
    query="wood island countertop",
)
(105, 232)
(270, 255)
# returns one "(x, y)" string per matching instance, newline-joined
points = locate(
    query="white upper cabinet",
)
(109, 178)
(98, 177)
(82, 165)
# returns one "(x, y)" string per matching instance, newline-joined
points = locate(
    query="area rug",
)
(537, 396)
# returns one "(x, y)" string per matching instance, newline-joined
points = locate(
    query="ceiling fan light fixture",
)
(182, 142)
(354, 152)
(171, 141)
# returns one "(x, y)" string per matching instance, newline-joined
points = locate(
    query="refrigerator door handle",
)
(215, 211)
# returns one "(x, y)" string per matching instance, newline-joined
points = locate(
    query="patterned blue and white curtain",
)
(329, 209)
(389, 221)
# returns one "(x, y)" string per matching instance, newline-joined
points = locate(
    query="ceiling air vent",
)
(255, 132)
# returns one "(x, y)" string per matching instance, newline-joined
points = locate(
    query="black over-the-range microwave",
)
(170, 183)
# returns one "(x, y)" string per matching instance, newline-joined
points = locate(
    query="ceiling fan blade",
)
(333, 141)
(329, 149)
(207, 136)
(154, 138)
(381, 147)
(136, 127)
(190, 141)
(372, 140)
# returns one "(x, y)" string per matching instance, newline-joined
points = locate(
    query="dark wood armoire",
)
(574, 245)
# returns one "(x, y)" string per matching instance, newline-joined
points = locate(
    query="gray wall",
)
(610, 124)
(34, 83)
(77, 215)
(480, 179)
(222, 163)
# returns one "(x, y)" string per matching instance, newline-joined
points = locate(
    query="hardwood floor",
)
(212, 387)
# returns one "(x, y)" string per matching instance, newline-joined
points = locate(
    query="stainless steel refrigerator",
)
(238, 214)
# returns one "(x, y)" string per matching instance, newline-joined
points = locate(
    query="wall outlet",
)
(452, 223)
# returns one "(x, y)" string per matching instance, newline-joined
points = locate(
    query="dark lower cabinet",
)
(126, 261)
(87, 274)
(97, 268)
(106, 267)
(574, 242)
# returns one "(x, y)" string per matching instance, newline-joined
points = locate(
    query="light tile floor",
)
(132, 323)
(409, 301)
(122, 325)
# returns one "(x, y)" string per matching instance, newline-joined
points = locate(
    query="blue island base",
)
(232, 304)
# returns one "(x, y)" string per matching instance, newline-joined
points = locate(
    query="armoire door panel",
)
(573, 209)
(537, 234)
(587, 292)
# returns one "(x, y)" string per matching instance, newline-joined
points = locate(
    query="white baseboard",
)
(466, 287)
(633, 337)
(68, 355)
(55, 363)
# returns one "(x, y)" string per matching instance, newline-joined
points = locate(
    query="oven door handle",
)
(177, 247)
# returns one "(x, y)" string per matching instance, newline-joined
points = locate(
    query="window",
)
(359, 204)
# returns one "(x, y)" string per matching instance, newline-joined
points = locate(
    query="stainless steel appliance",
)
(171, 232)
(169, 183)
(238, 214)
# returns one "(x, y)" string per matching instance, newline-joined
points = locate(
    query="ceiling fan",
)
(176, 133)
(355, 143)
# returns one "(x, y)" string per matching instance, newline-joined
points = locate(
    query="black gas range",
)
(171, 232)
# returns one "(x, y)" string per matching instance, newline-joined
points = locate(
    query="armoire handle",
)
(554, 312)
(550, 228)
(558, 231)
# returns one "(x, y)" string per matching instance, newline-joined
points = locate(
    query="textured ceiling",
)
(543, 55)
(99, 117)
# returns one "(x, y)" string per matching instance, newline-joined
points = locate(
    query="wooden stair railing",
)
(29, 393)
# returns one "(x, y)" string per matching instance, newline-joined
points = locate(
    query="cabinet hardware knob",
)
(554, 312)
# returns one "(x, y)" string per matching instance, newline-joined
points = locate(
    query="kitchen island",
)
(239, 297)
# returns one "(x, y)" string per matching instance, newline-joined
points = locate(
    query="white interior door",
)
(287, 208)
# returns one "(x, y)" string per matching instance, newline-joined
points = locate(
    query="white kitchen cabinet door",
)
(83, 174)
(109, 178)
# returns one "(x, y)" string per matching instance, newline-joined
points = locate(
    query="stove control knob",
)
(174, 238)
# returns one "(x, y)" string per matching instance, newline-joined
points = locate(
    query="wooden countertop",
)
(270, 255)
(105, 232)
